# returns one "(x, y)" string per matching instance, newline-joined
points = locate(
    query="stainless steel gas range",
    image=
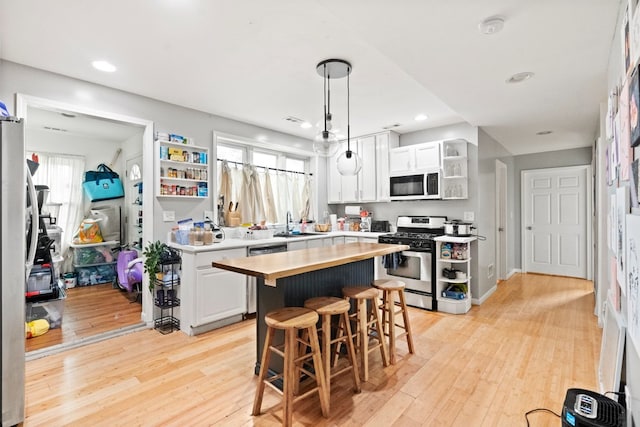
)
(416, 266)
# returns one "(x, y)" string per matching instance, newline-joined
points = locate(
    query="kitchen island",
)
(287, 279)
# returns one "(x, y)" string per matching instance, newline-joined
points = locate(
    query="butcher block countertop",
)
(284, 264)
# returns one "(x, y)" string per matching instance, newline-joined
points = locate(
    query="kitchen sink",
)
(287, 235)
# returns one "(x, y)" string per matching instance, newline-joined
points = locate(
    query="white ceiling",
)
(255, 60)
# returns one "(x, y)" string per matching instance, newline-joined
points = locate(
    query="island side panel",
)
(292, 291)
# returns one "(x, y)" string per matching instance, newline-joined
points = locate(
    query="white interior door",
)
(501, 219)
(554, 220)
(133, 194)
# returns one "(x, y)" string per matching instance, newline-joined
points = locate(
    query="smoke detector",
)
(491, 25)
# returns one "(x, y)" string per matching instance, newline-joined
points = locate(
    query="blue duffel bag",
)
(102, 184)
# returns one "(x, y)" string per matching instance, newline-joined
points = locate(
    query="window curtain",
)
(63, 175)
(265, 194)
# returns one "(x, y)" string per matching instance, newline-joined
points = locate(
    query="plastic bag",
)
(88, 232)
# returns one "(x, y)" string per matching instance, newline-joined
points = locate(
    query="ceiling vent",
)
(55, 129)
(294, 119)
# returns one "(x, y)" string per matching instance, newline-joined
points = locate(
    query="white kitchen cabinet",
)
(453, 253)
(294, 245)
(384, 142)
(315, 243)
(371, 183)
(417, 157)
(210, 297)
(454, 170)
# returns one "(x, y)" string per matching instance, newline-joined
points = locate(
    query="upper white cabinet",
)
(418, 157)
(371, 184)
(454, 169)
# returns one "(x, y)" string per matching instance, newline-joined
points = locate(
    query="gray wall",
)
(489, 151)
(550, 159)
(16, 78)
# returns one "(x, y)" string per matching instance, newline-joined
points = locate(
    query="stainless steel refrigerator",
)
(14, 270)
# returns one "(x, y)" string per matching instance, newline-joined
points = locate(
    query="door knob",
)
(529, 227)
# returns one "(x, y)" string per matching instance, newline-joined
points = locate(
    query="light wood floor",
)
(522, 349)
(89, 311)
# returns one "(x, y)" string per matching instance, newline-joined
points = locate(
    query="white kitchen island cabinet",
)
(211, 297)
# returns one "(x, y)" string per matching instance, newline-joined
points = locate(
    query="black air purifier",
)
(584, 408)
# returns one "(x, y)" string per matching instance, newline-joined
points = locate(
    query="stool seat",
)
(360, 292)
(368, 324)
(292, 320)
(328, 305)
(389, 312)
(291, 317)
(388, 285)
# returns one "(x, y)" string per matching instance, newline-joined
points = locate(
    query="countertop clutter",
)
(237, 242)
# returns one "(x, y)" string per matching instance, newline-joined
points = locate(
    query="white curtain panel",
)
(63, 175)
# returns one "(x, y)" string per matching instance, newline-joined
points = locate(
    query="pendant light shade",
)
(326, 143)
(349, 163)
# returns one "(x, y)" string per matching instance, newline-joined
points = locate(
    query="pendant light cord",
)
(348, 115)
(324, 134)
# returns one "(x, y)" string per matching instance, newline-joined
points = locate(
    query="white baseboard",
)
(512, 272)
(483, 298)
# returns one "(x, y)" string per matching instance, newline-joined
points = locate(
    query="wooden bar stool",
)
(327, 307)
(389, 305)
(368, 324)
(292, 320)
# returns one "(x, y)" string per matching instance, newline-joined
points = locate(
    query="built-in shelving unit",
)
(454, 169)
(183, 170)
(453, 273)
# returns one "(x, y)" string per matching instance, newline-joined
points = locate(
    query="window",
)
(265, 184)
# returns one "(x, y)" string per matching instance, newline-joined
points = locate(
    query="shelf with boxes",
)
(453, 278)
(95, 263)
(183, 169)
(166, 297)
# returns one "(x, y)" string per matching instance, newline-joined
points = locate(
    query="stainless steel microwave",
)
(415, 186)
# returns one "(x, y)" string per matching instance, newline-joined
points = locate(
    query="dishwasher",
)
(252, 282)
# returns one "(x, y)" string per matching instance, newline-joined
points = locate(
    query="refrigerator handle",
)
(35, 221)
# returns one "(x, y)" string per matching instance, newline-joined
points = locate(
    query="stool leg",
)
(383, 343)
(339, 334)
(264, 368)
(363, 335)
(352, 353)
(320, 376)
(290, 353)
(405, 318)
(391, 308)
(384, 307)
(326, 351)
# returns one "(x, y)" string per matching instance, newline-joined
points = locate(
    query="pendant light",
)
(349, 162)
(326, 143)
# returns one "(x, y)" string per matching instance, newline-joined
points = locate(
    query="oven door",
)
(414, 270)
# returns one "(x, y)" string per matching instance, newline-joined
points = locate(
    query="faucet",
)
(289, 221)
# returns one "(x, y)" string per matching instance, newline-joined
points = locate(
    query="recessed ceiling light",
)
(305, 125)
(105, 66)
(421, 117)
(520, 77)
(491, 25)
(544, 132)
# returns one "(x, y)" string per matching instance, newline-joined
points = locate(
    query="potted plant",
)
(156, 253)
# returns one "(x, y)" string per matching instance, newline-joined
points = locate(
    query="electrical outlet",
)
(469, 216)
(490, 271)
(168, 216)
(208, 216)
